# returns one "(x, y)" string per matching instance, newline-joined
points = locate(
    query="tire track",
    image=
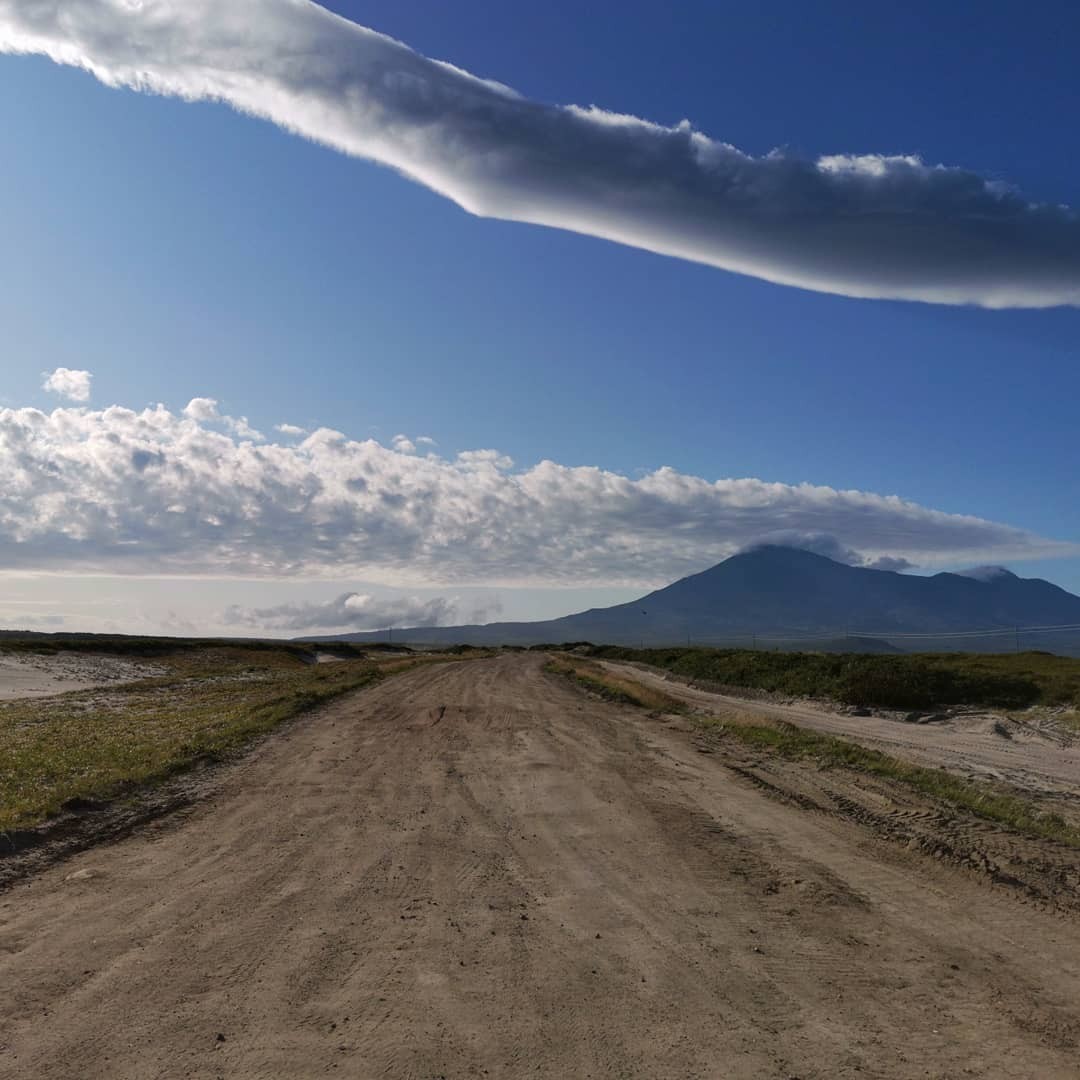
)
(535, 885)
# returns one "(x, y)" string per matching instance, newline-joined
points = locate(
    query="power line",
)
(1001, 631)
(996, 632)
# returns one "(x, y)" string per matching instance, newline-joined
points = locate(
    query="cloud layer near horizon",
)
(869, 225)
(351, 611)
(195, 492)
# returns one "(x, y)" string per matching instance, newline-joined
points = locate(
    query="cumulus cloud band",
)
(351, 611)
(868, 225)
(162, 492)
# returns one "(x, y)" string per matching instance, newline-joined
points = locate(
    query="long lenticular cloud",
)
(864, 226)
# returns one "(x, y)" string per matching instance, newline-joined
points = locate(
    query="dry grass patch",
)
(987, 801)
(1070, 720)
(611, 687)
(96, 745)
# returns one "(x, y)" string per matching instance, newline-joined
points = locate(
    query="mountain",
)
(773, 591)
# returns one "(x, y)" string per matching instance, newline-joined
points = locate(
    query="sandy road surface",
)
(1026, 757)
(472, 870)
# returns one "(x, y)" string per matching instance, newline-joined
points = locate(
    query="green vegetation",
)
(134, 647)
(101, 744)
(916, 681)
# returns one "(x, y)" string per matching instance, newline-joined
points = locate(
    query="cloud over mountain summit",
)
(876, 225)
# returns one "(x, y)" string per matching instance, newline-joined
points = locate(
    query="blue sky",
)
(181, 250)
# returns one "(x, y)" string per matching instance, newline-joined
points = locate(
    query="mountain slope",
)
(775, 591)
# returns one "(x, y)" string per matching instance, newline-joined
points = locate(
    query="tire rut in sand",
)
(539, 885)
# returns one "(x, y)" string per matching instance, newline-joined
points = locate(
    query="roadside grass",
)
(829, 752)
(611, 687)
(916, 681)
(1070, 719)
(97, 745)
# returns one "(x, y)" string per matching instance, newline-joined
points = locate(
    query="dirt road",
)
(1040, 759)
(473, 870)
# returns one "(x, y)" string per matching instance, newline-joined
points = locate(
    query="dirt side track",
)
(1027, 758)
(474, 870)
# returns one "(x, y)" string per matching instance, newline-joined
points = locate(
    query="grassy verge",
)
(1070, 719)
(828, 751)
(611, 687)
(918, 681)
(102, 744)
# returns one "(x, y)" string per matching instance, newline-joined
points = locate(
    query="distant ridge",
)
(772, 591)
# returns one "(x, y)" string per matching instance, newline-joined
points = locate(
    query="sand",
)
(32, 675)
(475, 870)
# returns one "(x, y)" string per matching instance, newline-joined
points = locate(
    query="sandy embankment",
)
(39, 675)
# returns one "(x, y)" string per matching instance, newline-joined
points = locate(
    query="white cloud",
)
(240, 425)
(868, 225)
(290, 429)
(74, 385)
(202, 409)
(823, 543)
(19, 621)
(350, 611)
(889, 562)
(484, 459)
(403, 444)
(425, 440)
(152, 491)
